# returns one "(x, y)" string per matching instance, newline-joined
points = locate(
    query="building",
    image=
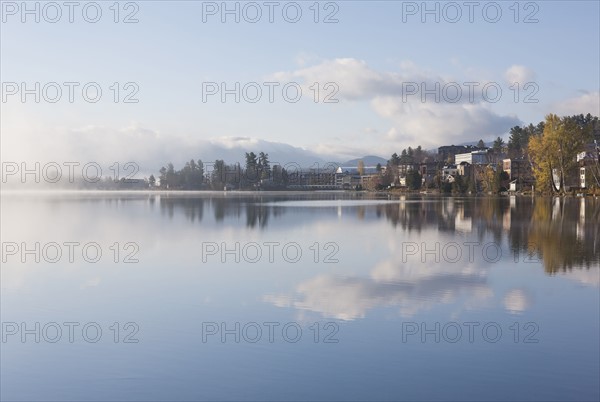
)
(449, 151)
(349, 178)
(312, 177)
(582, 181)
(404, 168)
(479, 157)
(588, 161)
(587, 173)
(464, 169)
(567, 182)
(428, 171)
(449, 173)
(132, 184)
(519, 170)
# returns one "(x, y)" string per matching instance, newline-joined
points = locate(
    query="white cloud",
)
(520, 74)
(356, 80)
(455, 116)
(434, 124)
(588, 102)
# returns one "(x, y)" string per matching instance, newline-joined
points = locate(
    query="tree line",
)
(550, 146)
(257, 173)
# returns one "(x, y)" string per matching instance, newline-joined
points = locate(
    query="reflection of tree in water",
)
(412, 216)
(257, 209)
(257, 214)
(223, 207)
(254, 207)
(563, 232)
(193, 208)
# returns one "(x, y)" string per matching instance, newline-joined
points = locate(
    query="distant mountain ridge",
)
(369, 160)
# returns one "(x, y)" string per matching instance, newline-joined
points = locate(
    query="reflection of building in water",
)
(562, 232)
(507, 216)
(463, 223)
(581, 221)
(448, 210)
(555, 208)
(506, 219)
(557, 231)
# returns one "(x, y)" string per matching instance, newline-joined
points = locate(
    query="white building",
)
(448, 173)
(474, 158)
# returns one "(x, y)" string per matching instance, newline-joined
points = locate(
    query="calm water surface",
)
(321, 296)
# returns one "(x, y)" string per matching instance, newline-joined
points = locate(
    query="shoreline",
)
(425, 193)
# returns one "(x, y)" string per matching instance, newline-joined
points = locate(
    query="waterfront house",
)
(588, 162)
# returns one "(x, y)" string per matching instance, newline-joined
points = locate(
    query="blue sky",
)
(372, 53)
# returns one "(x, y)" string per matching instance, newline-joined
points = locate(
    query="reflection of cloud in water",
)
(590, 277)
(517, 301)
(410, 288)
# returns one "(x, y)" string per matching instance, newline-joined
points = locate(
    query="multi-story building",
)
(449, 151)
(464, 169)
(428, 171)
(519, 172)
(479, 157)
(518, 169)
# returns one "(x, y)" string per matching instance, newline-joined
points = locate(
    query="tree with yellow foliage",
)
(556, 148)
(361, 167)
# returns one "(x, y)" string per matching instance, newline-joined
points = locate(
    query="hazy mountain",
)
(150, 149)
(369, 160)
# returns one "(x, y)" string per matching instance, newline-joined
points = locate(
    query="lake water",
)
(298, 296)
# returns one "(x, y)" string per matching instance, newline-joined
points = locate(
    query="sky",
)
(360, 77)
